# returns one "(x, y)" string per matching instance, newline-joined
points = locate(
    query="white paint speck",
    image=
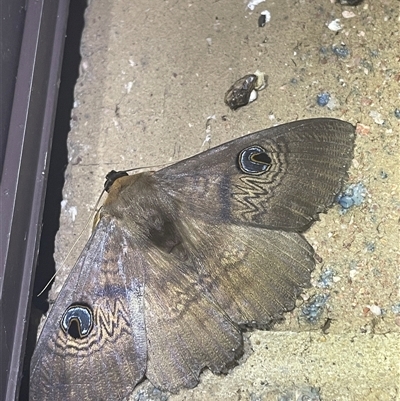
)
(261, 82)
(73, 211)
(253, 96)
(335, 25)
(251, 5)
(377, 117)
(333, 103)
(375, 309)
(267, 15)
(207, 140)
(348, 14)
(128, 86)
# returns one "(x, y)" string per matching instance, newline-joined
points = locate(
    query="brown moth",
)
(183, 259)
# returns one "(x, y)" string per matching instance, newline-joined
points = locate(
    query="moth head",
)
(117, 181)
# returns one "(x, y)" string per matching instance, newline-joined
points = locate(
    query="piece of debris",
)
(244, 90)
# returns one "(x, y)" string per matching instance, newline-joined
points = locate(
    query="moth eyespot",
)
(254, 160)
(77, 321)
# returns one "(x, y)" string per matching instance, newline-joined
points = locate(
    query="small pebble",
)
(335, 25)
(353, 273)
(375, 309)
(348, 14)
(397, 113)
(333, 103)
(377, 117)
(362, 129)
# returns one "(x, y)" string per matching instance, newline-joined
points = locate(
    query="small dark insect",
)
(262, 20)
(325, 327)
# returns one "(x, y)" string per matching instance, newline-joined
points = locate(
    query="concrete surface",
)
(152, 84)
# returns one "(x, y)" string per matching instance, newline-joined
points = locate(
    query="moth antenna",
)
(148, 167)
(91, 217)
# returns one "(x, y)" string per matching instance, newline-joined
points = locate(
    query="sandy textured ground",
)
(151, 89)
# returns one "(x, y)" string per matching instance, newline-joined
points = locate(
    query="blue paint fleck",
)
(314, 309)
(323, 99)
(299, 394)
(370, 247)
(367, 65)
(341, 51)
(326, 278)
(151, 393)
(353, 196)
(323, 50)
(396, 308)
